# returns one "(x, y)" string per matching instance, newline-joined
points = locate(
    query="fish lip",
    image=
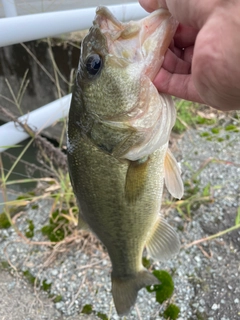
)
(147, 39)
(157, 32)
(102, 11)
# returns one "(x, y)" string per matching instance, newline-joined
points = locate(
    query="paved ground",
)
(19, 302)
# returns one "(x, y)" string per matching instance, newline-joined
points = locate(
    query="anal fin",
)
(172, 177)
(163, 243)
(82, 224)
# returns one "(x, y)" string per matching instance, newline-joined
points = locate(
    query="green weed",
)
(59, 226)
(188, 116)
(4, 221)
(102, 316)
(58, 187)
(29, 232)
(31, 279)
(172, 311)
(57, 299)
(5, 264)
(43, 285)
(88, 309)
(164, 290)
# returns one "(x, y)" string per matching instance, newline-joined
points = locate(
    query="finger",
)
(177, 51)
(188, 54)
(151, 5)
(185, 36)
(173, 64)
(193, 13)
(178, 85)
(187, 12)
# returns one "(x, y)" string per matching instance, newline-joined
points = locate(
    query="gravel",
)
(206, 276)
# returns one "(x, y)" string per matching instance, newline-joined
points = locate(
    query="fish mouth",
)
(144, 42)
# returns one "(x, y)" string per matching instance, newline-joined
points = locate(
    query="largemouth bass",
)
(118, 133)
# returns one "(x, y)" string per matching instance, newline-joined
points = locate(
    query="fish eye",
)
(94, 64)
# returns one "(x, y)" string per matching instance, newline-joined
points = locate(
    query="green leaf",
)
(29, 233)
(206, 190)
(171, 312)
(87, 309)
(58, 298)
(216, 130)
(46, 286)
(204, 134)
(12, 146)
(29, 276)
(146, 263)
(4, 222)
(237, 221)
(102, 316)
(164, 290)
(230, 127)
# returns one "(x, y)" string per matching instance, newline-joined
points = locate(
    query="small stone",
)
(59, 305)
(195, 305)
(54, 272)
(198, 259)
(215, 306)
(11, 285)
(236, 300)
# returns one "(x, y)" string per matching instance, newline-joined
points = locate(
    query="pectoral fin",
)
(163, 242)
(173, 178)
(135, 179)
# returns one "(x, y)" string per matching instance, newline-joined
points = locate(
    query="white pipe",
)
(11, 133)
(42, 25)
(9, 8)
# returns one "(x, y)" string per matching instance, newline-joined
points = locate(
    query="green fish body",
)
(118, 133)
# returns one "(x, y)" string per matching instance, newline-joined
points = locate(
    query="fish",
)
(117, 146)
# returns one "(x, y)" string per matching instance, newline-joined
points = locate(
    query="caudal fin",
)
(125, 290)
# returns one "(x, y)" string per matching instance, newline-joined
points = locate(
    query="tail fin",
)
(125, 290)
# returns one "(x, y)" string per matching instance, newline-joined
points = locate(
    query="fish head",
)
(142, 42)
(118, 62)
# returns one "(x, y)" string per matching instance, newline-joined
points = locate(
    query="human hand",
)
(203, 62)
